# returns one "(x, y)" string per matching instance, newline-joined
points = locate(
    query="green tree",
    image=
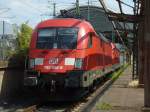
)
(23, 37)
(23, 40)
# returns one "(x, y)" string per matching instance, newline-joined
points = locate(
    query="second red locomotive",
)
(68, 53)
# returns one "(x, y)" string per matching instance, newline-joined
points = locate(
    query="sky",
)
(33, 11)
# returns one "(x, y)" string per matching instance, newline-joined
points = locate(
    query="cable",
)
(9, 17)
(29, 5)
(4, 10)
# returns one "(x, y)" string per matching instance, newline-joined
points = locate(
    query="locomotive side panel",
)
(94, 65)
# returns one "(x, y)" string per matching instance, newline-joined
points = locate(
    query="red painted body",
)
(101, 54)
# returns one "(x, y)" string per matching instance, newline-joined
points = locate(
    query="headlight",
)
(36, 61)
(31, 63)
(78, 63)
(39, 61)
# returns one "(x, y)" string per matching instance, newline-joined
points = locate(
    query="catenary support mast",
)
(147, 53)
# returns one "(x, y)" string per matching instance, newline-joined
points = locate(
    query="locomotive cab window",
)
(61, 38)
(90, 40)
(67, 38)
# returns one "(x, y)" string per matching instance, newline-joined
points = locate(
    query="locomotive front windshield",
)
(61, 38)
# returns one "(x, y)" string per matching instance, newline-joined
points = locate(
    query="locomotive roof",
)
(67, 22)
(60, 22)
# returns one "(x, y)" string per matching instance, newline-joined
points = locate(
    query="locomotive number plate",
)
(53, 67)
(53, 61)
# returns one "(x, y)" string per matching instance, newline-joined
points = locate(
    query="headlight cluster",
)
(78, 63)
(36, 61)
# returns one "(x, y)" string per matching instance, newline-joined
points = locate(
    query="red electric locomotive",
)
(68, 52)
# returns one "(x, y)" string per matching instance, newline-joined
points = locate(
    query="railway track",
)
(86, 104)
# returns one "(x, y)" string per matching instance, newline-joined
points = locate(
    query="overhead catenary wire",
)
(4, 10)
(31, 6)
